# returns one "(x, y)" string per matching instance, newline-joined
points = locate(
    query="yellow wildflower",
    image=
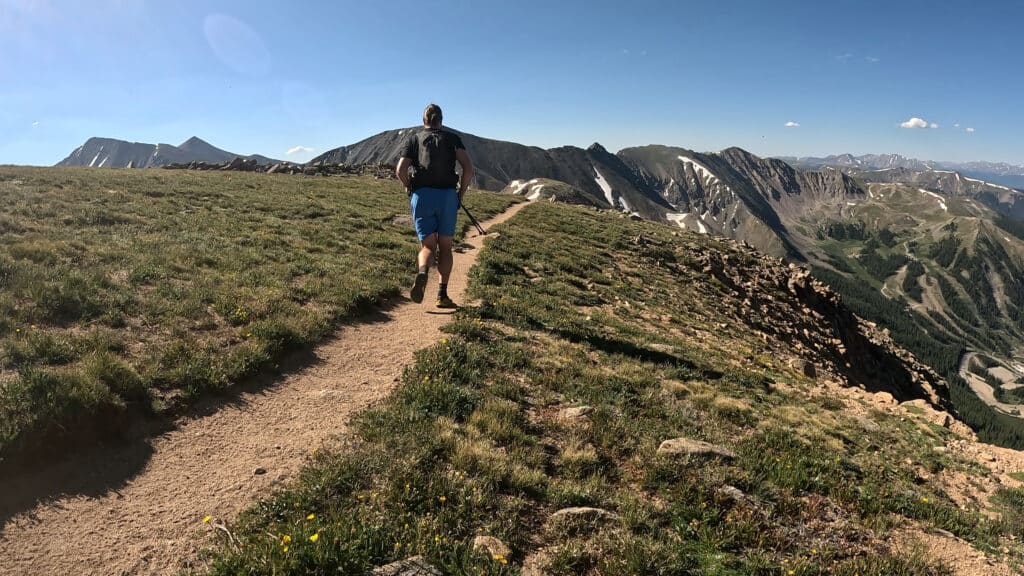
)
(442, 499)
(284, 549)
(311, 516)
(206, 519)
(286, 539)
(398, 545)
(314, 537)
(925, 500)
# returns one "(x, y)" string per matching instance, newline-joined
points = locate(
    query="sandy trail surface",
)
(138, 508)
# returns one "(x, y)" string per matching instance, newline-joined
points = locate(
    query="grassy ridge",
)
(577, 311)
(133, 290)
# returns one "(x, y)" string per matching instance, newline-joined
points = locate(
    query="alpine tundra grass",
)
(594, 342)
(131, 291)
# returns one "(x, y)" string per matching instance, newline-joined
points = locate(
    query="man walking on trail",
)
(427, 169)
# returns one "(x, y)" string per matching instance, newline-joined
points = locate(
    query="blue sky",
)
(269, 77)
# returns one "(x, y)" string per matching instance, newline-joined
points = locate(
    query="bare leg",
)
(444, 257)
(427, 248)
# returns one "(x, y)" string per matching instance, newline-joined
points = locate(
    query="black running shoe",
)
(417, 287)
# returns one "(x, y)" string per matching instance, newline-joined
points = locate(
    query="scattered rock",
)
(868, 424)
(731, 492)
(941, 532)
(415, 566)
(492, 546)
(575, 412)
(259, 471)
(809, 370)
(580, 516)
(884, 398)
(689, 447)
(381, 171)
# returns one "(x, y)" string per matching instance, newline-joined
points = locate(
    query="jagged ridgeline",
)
(628, 398)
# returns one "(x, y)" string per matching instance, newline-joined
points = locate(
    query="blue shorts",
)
(434, 210)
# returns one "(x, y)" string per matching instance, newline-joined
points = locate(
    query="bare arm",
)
(402, 171)
(467, 170)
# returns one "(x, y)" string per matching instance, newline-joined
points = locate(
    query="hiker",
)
(427, 170)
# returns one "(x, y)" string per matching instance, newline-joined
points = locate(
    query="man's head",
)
(432, 116)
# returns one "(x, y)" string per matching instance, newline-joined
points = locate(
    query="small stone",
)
(688, 447)
(415, 566)
(868, 424)
(576, 412)
(731, 492)
(259, 471)
(491, 546)
(582, 515)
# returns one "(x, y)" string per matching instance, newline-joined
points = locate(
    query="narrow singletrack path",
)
(139, 509)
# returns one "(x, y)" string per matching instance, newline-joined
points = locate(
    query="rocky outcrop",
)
(784, 303)
(382, 171)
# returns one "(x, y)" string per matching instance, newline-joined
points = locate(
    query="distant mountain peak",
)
(596, 147)
(193, 141)
(112, 153)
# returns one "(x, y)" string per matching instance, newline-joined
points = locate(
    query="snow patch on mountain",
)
(707, 175)
(942, 201)
(605, 187)
(521, 185)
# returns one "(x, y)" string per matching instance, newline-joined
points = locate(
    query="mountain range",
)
(995, 172)
(111, 153)
(934, 255)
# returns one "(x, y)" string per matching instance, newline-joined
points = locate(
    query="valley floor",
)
(150, 509)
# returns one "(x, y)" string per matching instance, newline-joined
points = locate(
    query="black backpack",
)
(436, 160)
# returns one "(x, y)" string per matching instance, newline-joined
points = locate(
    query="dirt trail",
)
(139, 509)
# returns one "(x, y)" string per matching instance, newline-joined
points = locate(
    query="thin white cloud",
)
(933, 125)
(916, 122)
(300, 150)
(969, 130)
(36, 123)
(844, 57)
(872, 59)
(792, 124)
(956, 125)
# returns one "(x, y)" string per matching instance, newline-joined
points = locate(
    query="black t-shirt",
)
(432, 151)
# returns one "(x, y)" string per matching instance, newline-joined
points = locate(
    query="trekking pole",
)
(479, 228)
